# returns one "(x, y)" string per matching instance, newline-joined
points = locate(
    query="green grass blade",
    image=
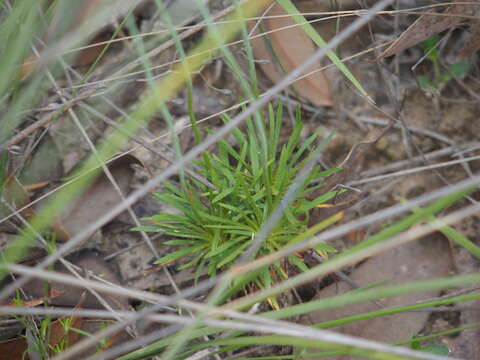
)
(455, 236)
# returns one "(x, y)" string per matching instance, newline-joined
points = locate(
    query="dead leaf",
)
(426, 26)
(100, 197)
(421, 260)
(59, 333)
(77, 14)
(13, 349)
(91, 261)
(289, 48)
(473, 45)
(45, 164)
(60, 25)
(37, 186)
(63, 334)
(90, 54)
(36, 302)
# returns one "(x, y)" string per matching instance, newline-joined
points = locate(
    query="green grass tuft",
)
(215, 225)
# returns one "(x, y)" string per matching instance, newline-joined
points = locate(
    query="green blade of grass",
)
(455, 236)
(16, 32)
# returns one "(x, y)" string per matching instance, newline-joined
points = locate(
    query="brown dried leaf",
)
(426, 26)
(90, 261)
(80, 14)
(58, 334)
(100, 197)
(13, 349)
(36, 302)
(424, 259)
(290, 47)
(473, 45)
(57, 26)
(89, 55)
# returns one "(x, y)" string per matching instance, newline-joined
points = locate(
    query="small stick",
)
(47, 119)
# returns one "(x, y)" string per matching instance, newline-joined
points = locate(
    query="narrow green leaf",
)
(178, 254)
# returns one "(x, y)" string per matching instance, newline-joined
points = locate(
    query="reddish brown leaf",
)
(89, 55)
(291, 47)
(35, 302)
(426, 26)
(13, 349)
(59, 333)
(36, 186)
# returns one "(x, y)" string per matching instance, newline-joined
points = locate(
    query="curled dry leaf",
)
(421, 260)
(426, 26)
(97, 199)
(285, 48)
(39, 301)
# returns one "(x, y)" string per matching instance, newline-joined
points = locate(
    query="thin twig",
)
(413, 161)
(413, 171)
(49, 118)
